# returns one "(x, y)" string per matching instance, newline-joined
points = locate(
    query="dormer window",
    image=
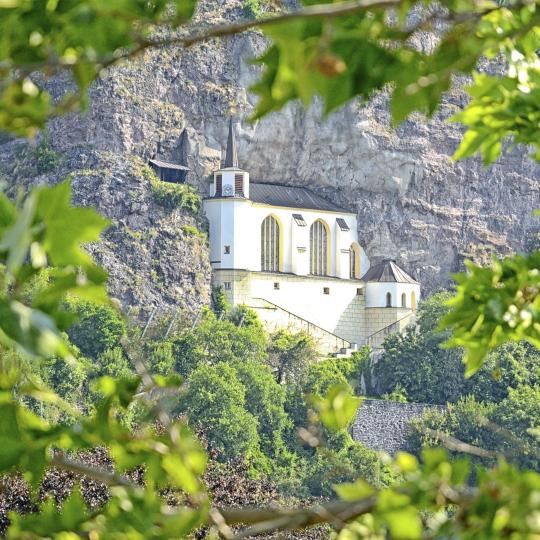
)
(299, 220)
(342, 224)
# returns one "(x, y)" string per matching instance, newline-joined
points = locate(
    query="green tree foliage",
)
(290, 354)
(265, 400)
(500, 429)
(519, 414)
(417, 362)
(160, 358)
(67, 379)
(113, 363)
(98, 328)
(215, 402)
(214, 340)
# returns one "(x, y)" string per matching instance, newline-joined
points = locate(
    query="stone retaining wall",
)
(385, 425)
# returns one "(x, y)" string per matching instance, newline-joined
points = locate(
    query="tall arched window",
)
(388, 299)
(403, 300)
(413, 301)
(319, 249)
(354, 261)
(270, 245)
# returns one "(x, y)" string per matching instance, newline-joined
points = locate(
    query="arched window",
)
(413, 301)
(388, 300)
(319, 249)
(403, 300)
(354, 261)
(270, 240)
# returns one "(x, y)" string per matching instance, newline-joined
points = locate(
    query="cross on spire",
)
(231, 157)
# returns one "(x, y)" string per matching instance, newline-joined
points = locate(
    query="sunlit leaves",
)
(501, 109)
(46, 231)
(337, 408)
(494, 305)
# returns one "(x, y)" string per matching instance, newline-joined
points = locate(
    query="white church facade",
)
(294, 257)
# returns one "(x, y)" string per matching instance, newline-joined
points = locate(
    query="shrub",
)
(98, 327)
(252, 8)
(160, 357)
(114, 363)
(46, 158)
(171, 196)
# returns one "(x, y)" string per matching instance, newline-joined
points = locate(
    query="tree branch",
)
(263, 520)
(110, 479)
(459, 446)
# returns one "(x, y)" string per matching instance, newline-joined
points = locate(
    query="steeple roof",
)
(231, 157)
(388, 271)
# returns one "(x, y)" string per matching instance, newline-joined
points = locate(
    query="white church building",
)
(294, 257)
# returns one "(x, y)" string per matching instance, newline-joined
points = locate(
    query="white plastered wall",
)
(239, 221)
(376, 294)
(340, 312)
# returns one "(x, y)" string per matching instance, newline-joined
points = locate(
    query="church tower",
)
(230, 180)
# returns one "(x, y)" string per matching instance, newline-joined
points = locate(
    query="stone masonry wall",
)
(385, 425)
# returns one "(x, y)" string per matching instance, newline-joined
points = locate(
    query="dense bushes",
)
(418, 366)
(172, 196)
(98, 327)
(495, 409)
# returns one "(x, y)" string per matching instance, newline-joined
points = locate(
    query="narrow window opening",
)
(227, 250)
(359, 292)
(319, 249)
(403, 300)
(239, 184)
(219, 185)
(276, 286)
(270, 245)
(326, 290)
(227, 285)
(388, 300)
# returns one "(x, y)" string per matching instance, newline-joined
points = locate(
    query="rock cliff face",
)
(413, 203)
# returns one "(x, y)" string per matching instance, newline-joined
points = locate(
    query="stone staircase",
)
(345, 352)
(276, 317)
(329, 344)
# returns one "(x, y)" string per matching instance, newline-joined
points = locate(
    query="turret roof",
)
(388, 271)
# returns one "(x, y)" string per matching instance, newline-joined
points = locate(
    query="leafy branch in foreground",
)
(334, 50)
(44, 235)
(495, 305)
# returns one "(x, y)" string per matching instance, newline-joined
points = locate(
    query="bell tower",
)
(230, 180)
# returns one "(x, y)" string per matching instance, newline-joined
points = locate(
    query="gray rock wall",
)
(385, 425)
(413, 202)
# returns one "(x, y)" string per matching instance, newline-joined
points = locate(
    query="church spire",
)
(231, 158)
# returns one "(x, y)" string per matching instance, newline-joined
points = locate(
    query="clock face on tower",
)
(228, 190)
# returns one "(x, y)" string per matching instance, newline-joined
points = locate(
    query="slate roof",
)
(167, 165)
(388, 271)
(290, 197)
